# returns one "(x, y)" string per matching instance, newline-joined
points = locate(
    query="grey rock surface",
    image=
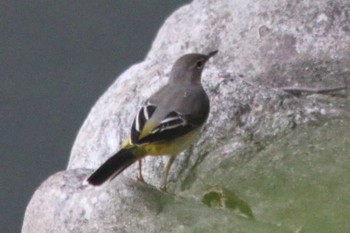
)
(281, 156)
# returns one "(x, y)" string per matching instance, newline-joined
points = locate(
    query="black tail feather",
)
(113, 167)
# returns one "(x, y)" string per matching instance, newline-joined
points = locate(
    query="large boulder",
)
(268, 160)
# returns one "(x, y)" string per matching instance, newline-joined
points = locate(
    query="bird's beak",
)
(212, 53)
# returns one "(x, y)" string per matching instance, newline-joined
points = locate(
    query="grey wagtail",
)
(166, 124)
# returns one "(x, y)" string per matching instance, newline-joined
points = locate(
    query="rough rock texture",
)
(266, 161)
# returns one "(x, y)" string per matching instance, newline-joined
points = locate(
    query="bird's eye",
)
(199, 64)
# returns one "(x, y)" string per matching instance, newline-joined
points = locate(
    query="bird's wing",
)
(145, 130)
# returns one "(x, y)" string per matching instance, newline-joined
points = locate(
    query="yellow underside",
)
(172, 147)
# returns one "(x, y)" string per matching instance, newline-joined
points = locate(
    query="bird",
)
(167, 122)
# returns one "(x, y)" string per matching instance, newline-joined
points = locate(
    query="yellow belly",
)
(173, 147)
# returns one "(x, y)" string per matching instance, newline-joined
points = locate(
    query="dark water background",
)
(56, 59)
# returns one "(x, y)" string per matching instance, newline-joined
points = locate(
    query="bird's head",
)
(188, 68)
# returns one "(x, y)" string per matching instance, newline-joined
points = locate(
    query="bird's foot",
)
(140, 178)
(163, 188)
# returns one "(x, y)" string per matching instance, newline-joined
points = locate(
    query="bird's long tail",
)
(113, 166)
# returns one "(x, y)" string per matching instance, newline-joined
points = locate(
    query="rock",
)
(282, 158)
(124, 206)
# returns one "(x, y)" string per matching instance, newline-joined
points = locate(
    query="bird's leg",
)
(166, 170)
(140, 177)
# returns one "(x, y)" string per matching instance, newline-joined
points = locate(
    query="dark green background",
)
(56, 59)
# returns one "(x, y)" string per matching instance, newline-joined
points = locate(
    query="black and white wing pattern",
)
(172, 126)
(172, 121)
(144, 114)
